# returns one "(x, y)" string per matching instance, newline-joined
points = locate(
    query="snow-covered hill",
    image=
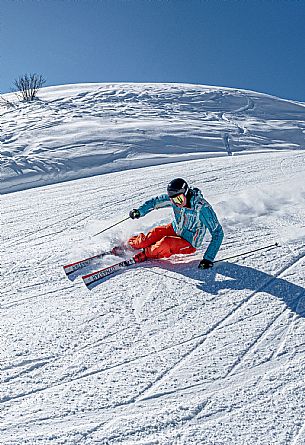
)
(162, 353)
(81, 130)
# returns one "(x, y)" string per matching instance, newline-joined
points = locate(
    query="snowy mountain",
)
(161, 353)
(78, 131)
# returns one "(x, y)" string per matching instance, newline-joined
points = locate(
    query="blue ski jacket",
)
(191, 222)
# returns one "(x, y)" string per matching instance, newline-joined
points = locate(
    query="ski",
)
(73, 267)
(93, 277)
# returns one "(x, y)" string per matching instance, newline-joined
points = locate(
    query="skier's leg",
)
(167, 246)
(141, 241)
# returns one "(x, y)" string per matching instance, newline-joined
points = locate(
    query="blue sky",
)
(251, 44)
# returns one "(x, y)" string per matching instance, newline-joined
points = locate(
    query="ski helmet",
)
(176, 187)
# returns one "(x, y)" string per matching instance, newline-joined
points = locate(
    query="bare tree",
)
(27, 86)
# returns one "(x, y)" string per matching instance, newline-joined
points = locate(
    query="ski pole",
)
(247, 253)
(110, 227)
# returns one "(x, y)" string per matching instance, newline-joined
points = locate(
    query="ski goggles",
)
(179, 200)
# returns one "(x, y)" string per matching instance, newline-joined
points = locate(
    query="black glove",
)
(205, 264)
(134, 214)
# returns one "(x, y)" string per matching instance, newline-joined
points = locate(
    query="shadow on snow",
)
(238, 278)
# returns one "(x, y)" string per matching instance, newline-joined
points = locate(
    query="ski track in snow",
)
(219, 325)
(161, 353)
(283, 271)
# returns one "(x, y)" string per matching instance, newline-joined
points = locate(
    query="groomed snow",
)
(162, 353)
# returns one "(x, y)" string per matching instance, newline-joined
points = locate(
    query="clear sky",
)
(251, 44)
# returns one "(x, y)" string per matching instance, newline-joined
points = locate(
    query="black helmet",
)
(177, 186)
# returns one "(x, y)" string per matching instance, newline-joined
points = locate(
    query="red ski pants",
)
(161, 242)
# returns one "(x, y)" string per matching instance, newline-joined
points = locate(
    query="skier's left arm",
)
(209, 219)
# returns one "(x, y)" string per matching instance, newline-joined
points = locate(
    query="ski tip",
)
(89, 286)
(92, 278)
(69, 270)
(66, 270)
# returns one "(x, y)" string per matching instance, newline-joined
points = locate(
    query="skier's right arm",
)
(154, 203)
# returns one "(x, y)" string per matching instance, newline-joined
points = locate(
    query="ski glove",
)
(205, 264)
(134, 214)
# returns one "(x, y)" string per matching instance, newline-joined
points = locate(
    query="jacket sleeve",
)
(209, 219)
(154, 203)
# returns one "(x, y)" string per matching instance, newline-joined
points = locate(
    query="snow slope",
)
(78, 131)
(162, 353)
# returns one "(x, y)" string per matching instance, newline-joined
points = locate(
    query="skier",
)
(193, 215)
